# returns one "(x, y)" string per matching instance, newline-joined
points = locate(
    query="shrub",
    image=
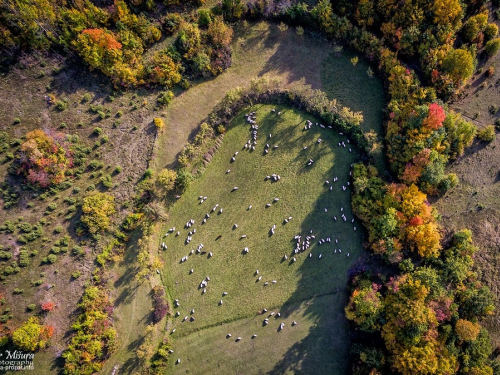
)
(490, 71)
(24, 259)
(31, 307)
(148, 173)
(5, 255)
(47, 306)
(492, 47)
(97, 131)
(160, 304)
(119, 114)
(58, 229)
(487, 134)
(75, 275)
(18, 291)
(117, 170)
(467, 331)
(78, 251)
(61, 105)
(16, 121)
(86, 98)
(204, 17)
(52, 206)
(165, 98)
(51, 258)
(159, 123)
(107, 181)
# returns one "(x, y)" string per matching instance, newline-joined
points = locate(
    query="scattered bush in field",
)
(37, 282)
(8, 270)
(97, 131)
(31, 307)
(165, 98)
(51, 258)
(159, 123)
(107, 181)
(75, 275)
(487, 134)
(299, 30)
(47, 306)
(61, 105)
(78, 251)
(5, 255)
(117, 170)
(16, 121)
(24, 259)
(18, 291)
(148, 173)
(490, 71)
(86, 98)
(119, 114)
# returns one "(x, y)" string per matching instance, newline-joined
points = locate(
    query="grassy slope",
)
(262, 49)
(303, 195)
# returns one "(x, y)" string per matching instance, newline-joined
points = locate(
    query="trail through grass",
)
(303, 195)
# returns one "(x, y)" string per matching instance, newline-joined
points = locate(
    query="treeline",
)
(421, 313)
(114, 39)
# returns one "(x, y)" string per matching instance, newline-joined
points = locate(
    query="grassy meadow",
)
(304, 195)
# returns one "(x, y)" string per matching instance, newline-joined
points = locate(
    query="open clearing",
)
(304, 195)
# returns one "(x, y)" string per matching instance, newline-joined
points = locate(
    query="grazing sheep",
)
(320, 255)
(238, 339)
(285, 257)
(243, 236)
(178, 361)
(228, 335)
(274, 281)
(266, 283)
(257, 272)
(254, 336)
(294, 323)
(354, 228)
(192, 311)
(249, 207)
(224, 294)
(276, 199)
(268, 205)
(282, 325)
(235, 188)
(221, 302)
(185, 318)
(260, 278)
(210, 254)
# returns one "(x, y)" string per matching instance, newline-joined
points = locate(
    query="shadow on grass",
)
(322, 280)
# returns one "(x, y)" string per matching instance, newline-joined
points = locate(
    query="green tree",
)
(459, 64)
(492, 47)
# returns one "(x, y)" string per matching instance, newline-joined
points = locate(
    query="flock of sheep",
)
(303, 242)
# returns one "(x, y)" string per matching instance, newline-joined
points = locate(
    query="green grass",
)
(302, 193)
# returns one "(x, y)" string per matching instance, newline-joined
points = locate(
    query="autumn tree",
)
(31, 335)
(365, 308)
(97, 211)
(45, 157)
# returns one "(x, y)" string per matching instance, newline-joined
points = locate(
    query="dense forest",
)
(417, 306)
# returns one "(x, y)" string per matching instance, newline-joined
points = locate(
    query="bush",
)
(48, 306)
(86, 98)
(159, 123)
(487, 134)
(16, 121)
(165, 98)
(148, 173)
(52, 206)
(61, 105)
(18, 291)
(492, 47)
(204, 17)
(97, 131)
(31, 307)
(184, 178)
(58, 229)
(107, 181)
(75, 275)
(51, 258)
